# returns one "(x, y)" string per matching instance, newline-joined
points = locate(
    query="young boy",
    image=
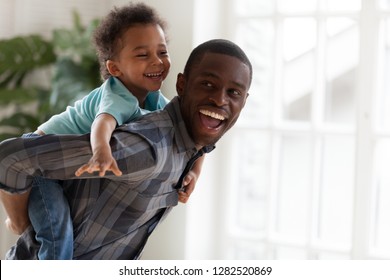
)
(132, 49)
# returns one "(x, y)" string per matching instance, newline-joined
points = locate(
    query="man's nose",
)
(219, 97)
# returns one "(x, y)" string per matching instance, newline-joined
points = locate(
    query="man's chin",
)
(207, 140)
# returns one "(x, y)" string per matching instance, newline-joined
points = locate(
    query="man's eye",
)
(142, 55)
(207, 84)
(234, 92)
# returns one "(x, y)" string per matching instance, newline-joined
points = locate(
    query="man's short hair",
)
(219, 46)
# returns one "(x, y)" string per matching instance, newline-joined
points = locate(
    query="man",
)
(114, 216)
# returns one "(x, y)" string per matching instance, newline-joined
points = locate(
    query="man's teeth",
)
(212, 114)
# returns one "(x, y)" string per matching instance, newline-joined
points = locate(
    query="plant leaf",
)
(23, 121)
(21, 55)
(17, 96)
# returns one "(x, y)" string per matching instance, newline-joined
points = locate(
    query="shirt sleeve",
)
(21, 159)
(118, 102)
(76, 119)
(155, 101)
(59, 156)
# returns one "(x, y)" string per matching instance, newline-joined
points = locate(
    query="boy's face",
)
(212, 96)
(142, 61)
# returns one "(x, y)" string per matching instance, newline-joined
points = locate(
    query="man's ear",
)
(180, 84)
(246, 97)
(113, 68)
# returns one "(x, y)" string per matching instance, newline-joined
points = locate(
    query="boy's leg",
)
(50, 217)
(15, 206)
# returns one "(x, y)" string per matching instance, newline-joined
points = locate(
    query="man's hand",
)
(101, 162)
(188, 186)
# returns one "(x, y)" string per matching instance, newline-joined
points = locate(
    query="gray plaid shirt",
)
(112, 216)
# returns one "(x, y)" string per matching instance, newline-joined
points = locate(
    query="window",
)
(315, 182)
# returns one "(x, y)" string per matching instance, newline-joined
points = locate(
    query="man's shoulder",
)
(157, 126)
(155, 122)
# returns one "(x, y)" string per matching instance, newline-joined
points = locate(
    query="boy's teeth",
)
(153, 75)
(212, 114)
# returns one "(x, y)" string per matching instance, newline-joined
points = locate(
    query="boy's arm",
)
(190, 180)
(102, 159)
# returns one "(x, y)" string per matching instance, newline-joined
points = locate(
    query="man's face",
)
(212, 96)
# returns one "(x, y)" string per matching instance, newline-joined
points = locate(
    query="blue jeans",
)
(49, 214)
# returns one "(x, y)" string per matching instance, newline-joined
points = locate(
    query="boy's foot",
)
(16, 229)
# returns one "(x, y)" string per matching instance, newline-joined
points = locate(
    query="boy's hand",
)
(188, 186)
(101, 162)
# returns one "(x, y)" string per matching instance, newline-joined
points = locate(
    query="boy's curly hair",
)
(115, 24)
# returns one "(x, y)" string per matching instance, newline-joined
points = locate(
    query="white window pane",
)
(383, 100)
(381, 203)
(299, 41)
(290, 253)
(342, 5)
(299, 37)
(342, 57)
(288, 6)
(248, 251)
(252, 166)
(384, 4)
(336, 193)
(337, 25)
(293, 188)
(254, 7)
(256, 37)
(332, 256)
(386, 30)
(298, 87)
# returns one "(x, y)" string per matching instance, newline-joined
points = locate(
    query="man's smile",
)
(210, 119)
(212, 114)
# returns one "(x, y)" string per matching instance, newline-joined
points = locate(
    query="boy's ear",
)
(180, 84)
(113, 68)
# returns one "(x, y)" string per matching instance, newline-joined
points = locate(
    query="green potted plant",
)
(73, 69)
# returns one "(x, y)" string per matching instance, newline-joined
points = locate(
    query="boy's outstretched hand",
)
(100, 162)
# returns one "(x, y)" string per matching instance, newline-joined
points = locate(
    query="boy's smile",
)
(142, 62)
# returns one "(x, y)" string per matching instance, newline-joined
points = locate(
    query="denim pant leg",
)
(49, 214)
